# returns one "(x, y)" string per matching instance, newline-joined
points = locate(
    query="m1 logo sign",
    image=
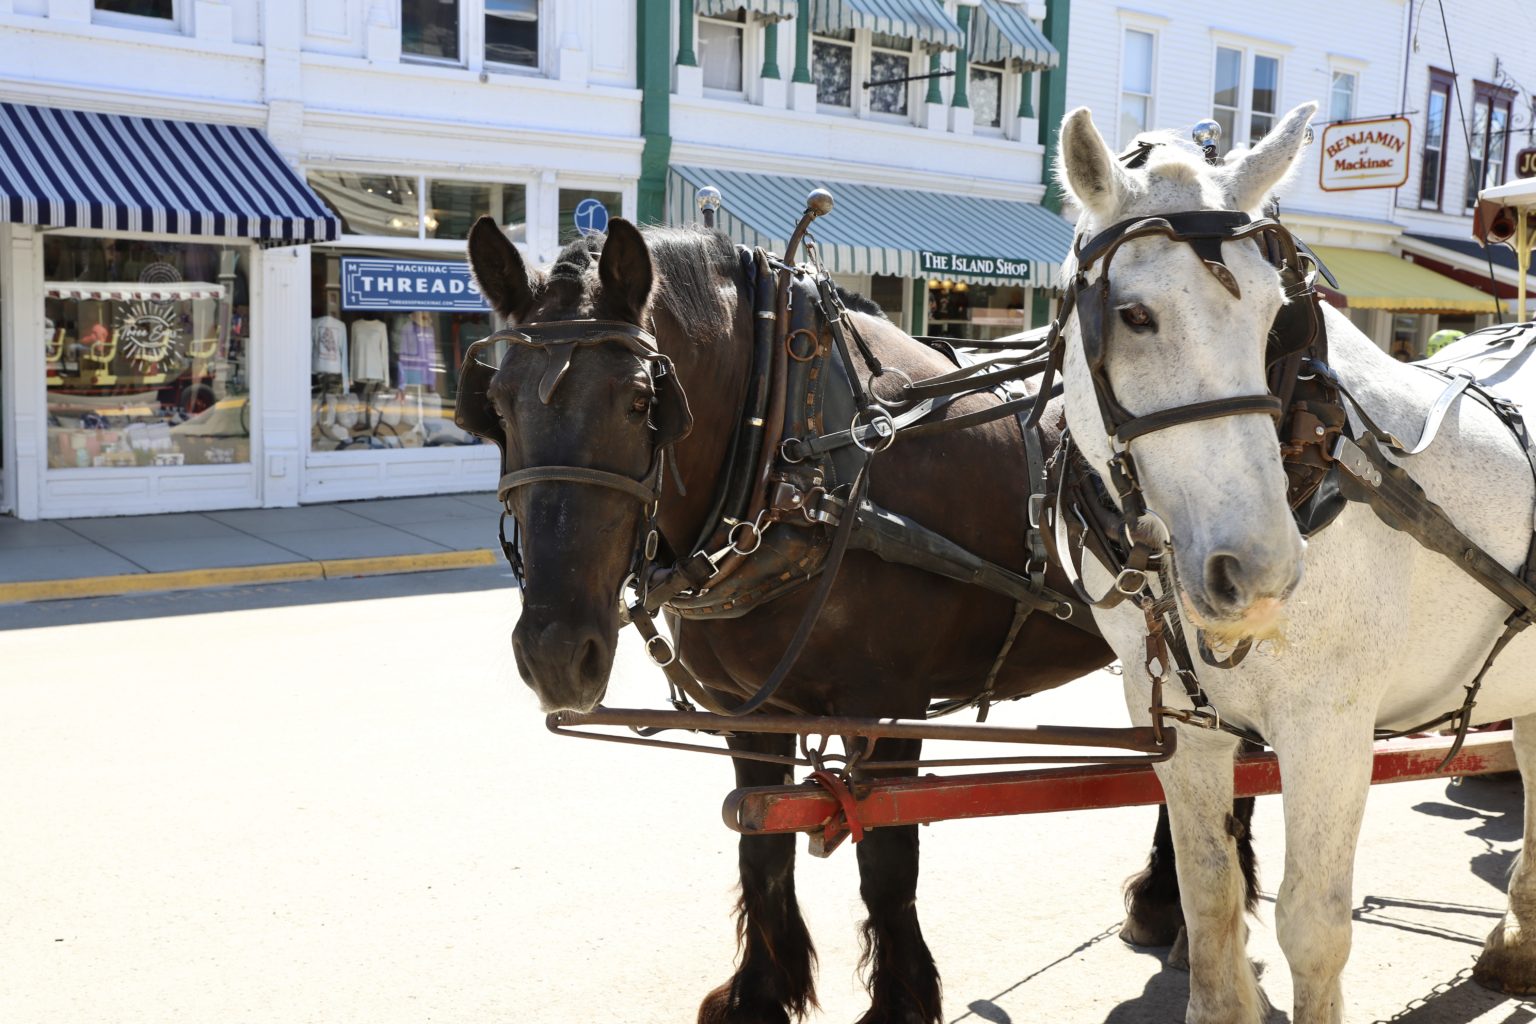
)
(1525, 163)
(1365, 154)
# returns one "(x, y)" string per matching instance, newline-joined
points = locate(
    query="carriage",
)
(746, 566)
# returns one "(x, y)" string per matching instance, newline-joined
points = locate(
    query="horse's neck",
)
(1396, 395)
(713, 371)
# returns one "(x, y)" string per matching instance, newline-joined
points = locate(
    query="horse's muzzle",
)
(567, 664)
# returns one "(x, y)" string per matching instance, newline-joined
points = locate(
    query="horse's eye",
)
(641, 404)
(1138, 317)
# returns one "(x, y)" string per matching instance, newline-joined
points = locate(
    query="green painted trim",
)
(935, 83)
(685, 57)
(1053, 96)
(803, 43)
(771, 50)
(961, 95)
(653, 38)
(1026, 101)
(920, 306)
(1040, 312)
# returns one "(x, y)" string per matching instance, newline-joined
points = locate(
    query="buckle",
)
(1036, 510)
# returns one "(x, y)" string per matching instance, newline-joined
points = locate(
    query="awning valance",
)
(73, 168)
(1004, 31)
(1379, 280)
(922, 20)
(874, 229)
(765, 10)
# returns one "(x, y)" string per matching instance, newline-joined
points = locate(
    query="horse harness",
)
(1328, 461)
(799, 457)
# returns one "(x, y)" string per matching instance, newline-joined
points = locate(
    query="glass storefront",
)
(978, 311)
(147, 352)
(397, 206)
(585, 211)
(387, 338)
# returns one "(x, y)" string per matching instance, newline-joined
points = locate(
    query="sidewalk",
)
(98, 557)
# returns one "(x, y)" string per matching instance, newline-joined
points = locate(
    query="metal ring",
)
(1128, 574)
(876, 418)
(886, 371)
(671, 651)
(789, 345)
(757, 534)
(1063, 611)
(784, 452)
(652, 541)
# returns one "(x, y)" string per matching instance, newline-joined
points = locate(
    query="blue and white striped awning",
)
(922, 20)
(1003, 31)
(764, 10)
(873, 229)
(76, 169)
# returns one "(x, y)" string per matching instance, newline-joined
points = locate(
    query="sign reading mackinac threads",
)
(368, 283)
(979, 266)
(1365, 154)
(591, 217)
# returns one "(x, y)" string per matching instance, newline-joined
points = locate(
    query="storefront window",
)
(147, 353)
(371, 204)
(980, 312)
(165, 9)
(585, 211)
(386, 341)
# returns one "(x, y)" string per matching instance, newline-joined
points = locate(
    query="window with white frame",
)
(162, 9)
(1341, 97)
(412, 206)
(1490, 139)
(832, 68)
(512, 32)
(720, 51)
(1245, 95)
(430, 29)
(986, 94)
(1136, 84)
(890, 58)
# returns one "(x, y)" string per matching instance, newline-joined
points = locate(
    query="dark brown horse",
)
(890, 638)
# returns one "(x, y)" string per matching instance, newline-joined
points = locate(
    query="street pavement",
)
(334, 802)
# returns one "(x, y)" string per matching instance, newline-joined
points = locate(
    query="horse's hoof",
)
(1178, 956)
(1506, 964)
(1159, 927)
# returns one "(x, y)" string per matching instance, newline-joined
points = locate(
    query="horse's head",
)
(1167, 321)
(582, 406)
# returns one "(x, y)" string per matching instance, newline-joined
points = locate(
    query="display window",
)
(146, 346)
(387, 337)
(585, 211)
(981, 312)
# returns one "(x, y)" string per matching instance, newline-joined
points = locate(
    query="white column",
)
(280, 381)
(22, 393)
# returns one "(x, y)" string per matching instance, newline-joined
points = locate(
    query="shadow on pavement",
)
(1457, 1001)
(129, 607)
(1495, 806)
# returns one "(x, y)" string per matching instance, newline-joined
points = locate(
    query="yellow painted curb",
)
(241, 575)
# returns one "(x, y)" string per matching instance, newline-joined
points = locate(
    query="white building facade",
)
(151, 364)
(1377, 64)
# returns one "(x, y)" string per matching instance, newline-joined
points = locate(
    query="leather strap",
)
(644, 490)
(1195, 412)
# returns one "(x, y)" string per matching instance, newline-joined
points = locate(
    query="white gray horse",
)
(1379, 631)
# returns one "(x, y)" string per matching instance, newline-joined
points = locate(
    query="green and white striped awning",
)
(873, 229)
(1003, 31)
(765, 10)
(922, 20)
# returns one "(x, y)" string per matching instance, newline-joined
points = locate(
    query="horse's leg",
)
(1508, 960)
(1198, 784)
(1153, 916)
(903, 981)
(1327, 773)
(775, 974)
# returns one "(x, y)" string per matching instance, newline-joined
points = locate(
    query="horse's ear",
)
(1254, 175)
(1087, 168)
(499, 270)
(625, 271)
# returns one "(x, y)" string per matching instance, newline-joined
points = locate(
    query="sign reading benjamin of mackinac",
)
(1365, 154)
(368, 283)
(980, 266)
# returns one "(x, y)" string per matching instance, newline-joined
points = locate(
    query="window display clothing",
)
(330, 348)
(415, 345)
(370, 350)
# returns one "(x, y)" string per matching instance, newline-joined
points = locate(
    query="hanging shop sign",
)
(979, 266)
(369, 283)
(1525, 163)
(1365, 154)
(591, 217)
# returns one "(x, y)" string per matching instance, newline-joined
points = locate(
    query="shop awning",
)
(922, 20)
(1003, 31)
(1379, 280)
(73, 168)
(766, 10)
(873, 229)
(1457, 252)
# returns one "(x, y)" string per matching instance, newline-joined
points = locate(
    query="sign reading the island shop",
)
(368, 283)
(979, 266)
(1365, 154)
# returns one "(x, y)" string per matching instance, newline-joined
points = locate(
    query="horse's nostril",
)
(1223, 575)
(590, 662)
